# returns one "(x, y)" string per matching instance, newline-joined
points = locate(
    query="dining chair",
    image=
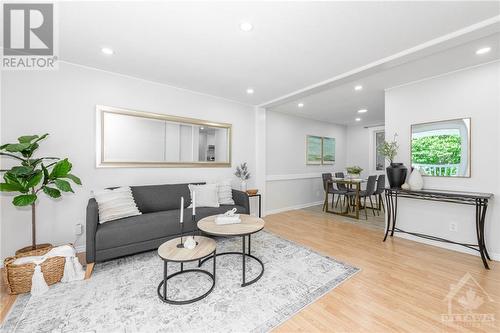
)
(327, 177)
(378, 193)
(366, 193)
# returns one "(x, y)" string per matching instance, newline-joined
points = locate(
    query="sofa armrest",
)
(241, 199)
(91, 229)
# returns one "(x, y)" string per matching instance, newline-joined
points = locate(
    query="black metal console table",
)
(479, 200)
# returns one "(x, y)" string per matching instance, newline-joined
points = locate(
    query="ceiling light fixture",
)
(107, 50)
(300, 105)
(483, 50)
(358, 119)
(250, 91)
(362, 111)
(246, 26)
(358, 87)
(202, 128)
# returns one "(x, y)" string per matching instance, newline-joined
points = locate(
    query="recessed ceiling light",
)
(250, 91)
(358, 87)
(246, 26)
(202, 128)
(107, 50)
(362, 111)
(300, 105)
(483, 50)
(358, 119)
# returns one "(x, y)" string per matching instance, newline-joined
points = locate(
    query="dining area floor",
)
(373, 221)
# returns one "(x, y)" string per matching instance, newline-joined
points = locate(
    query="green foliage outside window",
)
(437, 149)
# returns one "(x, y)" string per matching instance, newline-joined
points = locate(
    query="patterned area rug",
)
(121, 296)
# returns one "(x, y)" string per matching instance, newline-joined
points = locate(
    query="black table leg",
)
(483, 216)
(165, 264)
(249, 243)
(480, 232)
(394, 212)
(260, 205)
(243, 258)
(389, 216)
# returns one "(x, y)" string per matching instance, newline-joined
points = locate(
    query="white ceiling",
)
(199, 46)
(340, 103)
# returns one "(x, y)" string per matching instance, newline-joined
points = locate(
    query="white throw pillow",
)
(206, 195)
(225, 192)
(115, 204)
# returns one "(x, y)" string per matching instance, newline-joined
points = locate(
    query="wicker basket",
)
(18, 277)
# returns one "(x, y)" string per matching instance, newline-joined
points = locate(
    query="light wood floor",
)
(401, 286)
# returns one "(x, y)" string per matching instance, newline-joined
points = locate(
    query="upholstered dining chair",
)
(367, 193)
(378, 193)
(330, 189)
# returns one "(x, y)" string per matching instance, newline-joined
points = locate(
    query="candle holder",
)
(181, 244)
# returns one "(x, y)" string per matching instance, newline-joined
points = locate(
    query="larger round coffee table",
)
(248, 226)
(170, 252)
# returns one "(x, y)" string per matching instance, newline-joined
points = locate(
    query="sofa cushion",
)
(139, 228)
(157, 198)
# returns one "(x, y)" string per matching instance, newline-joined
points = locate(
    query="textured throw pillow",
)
(225, 193)
(115, 204)
(206, 195)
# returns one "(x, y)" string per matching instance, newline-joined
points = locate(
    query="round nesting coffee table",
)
(248, 226)
(169, 252)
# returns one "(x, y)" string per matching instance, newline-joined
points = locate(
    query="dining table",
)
(353, 185)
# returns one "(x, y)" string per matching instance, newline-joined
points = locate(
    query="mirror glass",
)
(132, 138)
(442, 148)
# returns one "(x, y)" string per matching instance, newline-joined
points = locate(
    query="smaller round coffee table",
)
(248, 226)
(169, 252)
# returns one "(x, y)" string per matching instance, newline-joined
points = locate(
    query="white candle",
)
(194, 202)
(182, 209)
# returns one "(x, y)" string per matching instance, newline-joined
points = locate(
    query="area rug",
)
(122, 296)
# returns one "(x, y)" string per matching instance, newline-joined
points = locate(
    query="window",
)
(379, 159)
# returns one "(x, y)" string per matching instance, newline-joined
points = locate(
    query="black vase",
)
(396, 174)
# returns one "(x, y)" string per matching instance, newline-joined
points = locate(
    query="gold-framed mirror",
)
(130, 138)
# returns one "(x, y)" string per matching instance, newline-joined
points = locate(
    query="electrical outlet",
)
(453, 227)
(78, 229)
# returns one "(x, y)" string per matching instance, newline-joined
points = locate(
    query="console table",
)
(479, 200)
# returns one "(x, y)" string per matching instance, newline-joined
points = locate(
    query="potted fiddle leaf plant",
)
(396, 172)
(34, 176)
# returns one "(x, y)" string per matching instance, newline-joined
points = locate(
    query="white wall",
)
(474, 93)
(361, 149)
(290, 182)
(62, 103)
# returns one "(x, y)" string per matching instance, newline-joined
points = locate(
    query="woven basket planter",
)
(18, 277)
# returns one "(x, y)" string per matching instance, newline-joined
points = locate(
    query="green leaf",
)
(51, 192)
(63, 185)
(35, 179)
(24, 200)
(45, 175)
(21, 170)
(61, 169)
(74, 178)
(6, 187)
(42, 137)
(27, 138)
(17, 147)
(2, 147)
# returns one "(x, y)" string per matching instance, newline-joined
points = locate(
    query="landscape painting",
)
(328, 150)
(314, 148)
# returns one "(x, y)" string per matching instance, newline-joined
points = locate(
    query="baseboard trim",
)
(295, 207)
(456, 248)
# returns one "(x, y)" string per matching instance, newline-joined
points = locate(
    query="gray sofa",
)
(158, 223)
